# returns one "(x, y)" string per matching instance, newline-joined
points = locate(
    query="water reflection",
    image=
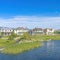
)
(50, 51)
(50, 46)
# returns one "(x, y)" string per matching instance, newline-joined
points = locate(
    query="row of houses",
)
(21, 31)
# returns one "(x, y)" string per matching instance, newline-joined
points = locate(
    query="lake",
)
(49, 51)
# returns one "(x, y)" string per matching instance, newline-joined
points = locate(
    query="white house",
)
(49, 31)
(20, 30)
(6, 31)
(37, 31)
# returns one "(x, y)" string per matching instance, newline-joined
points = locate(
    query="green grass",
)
(11, 48)
(19, 48)
(4, 42)
(46, 37)
(55, 37)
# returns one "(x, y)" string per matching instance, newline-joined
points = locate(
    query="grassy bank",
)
(4, 42)
(19, 48)
(46, 37)
(37, 41)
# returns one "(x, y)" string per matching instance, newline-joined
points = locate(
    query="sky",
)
(30, 13)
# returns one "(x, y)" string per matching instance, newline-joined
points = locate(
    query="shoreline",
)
(29, 48)
(20, 49)
(25, 45)
(20, 52)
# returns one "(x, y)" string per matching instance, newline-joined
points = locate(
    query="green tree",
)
(12, 36)
(26, 36)
(2, 34)
(57, 32)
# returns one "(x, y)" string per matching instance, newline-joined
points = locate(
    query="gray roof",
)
(5, 28)
(48, 28)
(21, 28)
(37, 29)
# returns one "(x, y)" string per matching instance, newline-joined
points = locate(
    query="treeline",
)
(57, 32)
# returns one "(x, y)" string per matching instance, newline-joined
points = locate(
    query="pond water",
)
(49, 51)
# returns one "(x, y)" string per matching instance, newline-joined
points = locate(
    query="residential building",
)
(37, 31)
(20, 30)
(5, 31)
(49, 31)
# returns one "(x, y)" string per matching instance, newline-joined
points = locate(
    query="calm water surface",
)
(50, 51)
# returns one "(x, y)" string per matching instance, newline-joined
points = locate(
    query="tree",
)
(57, 32)
(26, 36)
(12, 36)
(2, 34)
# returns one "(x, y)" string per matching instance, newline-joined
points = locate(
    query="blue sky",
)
(30, 13)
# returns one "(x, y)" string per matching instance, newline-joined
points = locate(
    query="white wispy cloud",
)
(31, 22)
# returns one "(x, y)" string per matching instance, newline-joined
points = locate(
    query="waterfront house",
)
(5, 31)
(37, 31)
(49, 31)
(20, 30)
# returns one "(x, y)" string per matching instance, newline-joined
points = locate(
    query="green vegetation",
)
(19, 48)
(12, 36)
(57, 32)
(1, 34)
(4, 43)
(27, 42)
(26, 36)
(55, 37)
(46, 37)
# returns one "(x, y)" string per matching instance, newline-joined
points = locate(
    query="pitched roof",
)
(21, 28)
(48, 28)
(5, 28)
(37, 29)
